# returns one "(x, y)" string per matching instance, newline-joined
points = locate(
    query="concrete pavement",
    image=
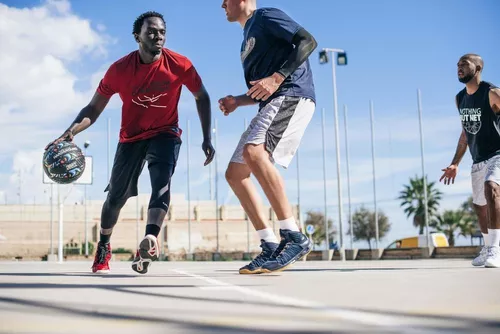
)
(415, 296)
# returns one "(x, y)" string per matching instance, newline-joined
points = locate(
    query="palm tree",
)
(470, 224)
(412, 197)
(467, 228)
(451, 222)
(468, 207)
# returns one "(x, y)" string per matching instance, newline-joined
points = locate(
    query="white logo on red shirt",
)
(147, 101)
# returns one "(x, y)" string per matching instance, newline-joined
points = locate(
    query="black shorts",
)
(161, 153)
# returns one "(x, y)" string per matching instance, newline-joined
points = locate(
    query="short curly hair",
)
(139, 21)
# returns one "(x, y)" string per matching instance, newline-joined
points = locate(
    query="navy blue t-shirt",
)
(266, 46)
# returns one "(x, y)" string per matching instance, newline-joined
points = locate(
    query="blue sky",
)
(394, 48)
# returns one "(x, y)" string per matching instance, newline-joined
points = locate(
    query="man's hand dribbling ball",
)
(66, 136)
(228, 104)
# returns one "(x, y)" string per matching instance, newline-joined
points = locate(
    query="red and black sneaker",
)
(101, 260)
(148, 252)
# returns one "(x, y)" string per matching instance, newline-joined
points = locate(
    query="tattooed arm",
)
(450, 172)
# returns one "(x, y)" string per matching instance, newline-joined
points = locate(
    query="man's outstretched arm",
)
(85, 118)
(461, 149)
(450, 172)
(89, 114)
(205, 114)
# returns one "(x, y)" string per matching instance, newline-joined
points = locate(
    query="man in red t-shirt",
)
(149, 82)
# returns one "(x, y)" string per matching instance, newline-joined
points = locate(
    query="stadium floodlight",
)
(341, 60)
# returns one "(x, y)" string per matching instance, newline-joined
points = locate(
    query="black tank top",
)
(481, 124)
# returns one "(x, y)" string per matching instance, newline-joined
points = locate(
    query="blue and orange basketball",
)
(64, 162)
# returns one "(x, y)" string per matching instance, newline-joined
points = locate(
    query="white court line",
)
(353, 316)
(214, 287)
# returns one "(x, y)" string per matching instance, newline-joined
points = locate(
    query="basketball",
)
(64, 162)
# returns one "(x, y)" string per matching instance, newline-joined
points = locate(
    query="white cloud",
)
(37, 85)
(50, 29)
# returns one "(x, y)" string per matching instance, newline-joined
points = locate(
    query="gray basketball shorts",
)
(280, 125)
(488, 170)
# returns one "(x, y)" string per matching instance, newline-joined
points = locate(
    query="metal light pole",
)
(299, 213)
(374, 182)
(245, 125)
(426, 214)
(341, 60)
(325, 214)
(61, 237)
(137, 217)
(348, 175)
(85, 146)
(188, 189)
(109, 149)
(216, 187)
(51, 219)
(210, 182)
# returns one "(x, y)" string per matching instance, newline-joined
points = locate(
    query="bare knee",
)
(492, 192)
(236, 172)
(481, 211)
(254, 153)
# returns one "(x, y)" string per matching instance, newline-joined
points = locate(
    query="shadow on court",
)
(467, 325)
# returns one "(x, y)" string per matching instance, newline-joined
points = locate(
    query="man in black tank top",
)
(479, 109)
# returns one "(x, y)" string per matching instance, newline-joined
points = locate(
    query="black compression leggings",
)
(110, 212)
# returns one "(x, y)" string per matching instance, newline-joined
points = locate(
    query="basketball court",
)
(416, 296)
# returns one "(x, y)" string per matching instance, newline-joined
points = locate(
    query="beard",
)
(466, 78)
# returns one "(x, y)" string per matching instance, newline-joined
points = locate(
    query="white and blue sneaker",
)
(294, 245)
(481, 258)
(493, 257)
(255, 267)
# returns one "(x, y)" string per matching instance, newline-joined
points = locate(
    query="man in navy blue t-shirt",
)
(274, 54)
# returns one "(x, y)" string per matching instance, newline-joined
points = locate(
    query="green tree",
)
(468, 208)
(467, 228)
(412, 200)
(451, 223)
(363, 225)
(470, 223)
(317, 219)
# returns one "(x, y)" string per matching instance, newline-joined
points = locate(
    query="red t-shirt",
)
(150, 93)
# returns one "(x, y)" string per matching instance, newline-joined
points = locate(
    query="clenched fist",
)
(228, 104)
